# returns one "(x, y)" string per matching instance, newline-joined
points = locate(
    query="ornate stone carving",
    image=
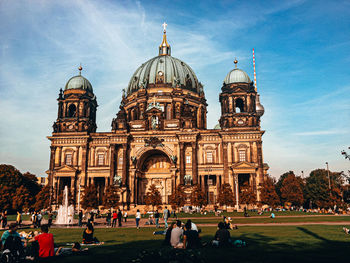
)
(154, 142)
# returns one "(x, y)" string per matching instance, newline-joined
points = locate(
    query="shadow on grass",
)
(260, 248)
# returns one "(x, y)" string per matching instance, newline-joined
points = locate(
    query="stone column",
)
(182, 162)
(52, 163)
(84, 163)
(125, 163)
(225, 159)
(251, 151)
(112, 166)
(235, 176)
(194, 164)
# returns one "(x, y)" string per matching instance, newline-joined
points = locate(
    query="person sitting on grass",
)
(88, 235)
(167, 233)
(191, 237)
(45, 241)
(222, 236)
(272, 215)
(176, 233)
(63, 251)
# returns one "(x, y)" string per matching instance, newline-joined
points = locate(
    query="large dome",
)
(78, 82)
(172, 70)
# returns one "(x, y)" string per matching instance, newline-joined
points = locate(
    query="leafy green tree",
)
(111, 198)
(247, 195)
(268, 193)
(11, 180)
(43, 198)
(178, 198)
(153, 197)
(318, 192)
(291, 190)
(226, 197)
(90, 200)
(198, 197)
(23, 199)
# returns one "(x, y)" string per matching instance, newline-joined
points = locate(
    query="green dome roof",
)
(237, 76)
(173, 70)
(78, 82)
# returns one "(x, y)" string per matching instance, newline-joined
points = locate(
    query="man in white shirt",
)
(176, 234)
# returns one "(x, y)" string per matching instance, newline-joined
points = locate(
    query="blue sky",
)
(302, 54)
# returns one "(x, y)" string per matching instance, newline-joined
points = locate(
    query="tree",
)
(198, 197)
(291, 190)
(247, 195)
(11, 180)
(178, 197)
(23, 199)
(89, 199)
(226, 195)
(43, 198)
(268, 193)
(111, 198)
(153, 197)
(317, 190)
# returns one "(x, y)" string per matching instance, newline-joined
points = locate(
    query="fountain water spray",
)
(65, 212)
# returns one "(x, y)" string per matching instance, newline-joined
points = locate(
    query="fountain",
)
(65, 213)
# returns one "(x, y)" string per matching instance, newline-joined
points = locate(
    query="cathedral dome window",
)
(239, 105)
(209, 157)
(72, 110)
(100, 159)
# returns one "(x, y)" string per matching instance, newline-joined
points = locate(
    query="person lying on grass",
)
(63, 251)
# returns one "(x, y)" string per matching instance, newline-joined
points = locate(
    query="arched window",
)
(168, 112)
(100, 159)
(72, 110)
(209, 157)
(239, 105)
(188, 159)
(69, 159)
(242, 155)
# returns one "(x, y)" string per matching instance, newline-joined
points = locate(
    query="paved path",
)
(101, 223)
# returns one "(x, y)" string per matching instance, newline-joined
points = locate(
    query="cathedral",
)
(159, 135)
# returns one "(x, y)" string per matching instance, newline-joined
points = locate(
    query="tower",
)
(239, 102)
(76, 107)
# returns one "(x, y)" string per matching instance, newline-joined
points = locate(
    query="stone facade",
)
(159, 136)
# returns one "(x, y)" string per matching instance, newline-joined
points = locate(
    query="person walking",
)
(114, 216)
(125, 216)
(120, 215)
(49, 220)
(166, 216)
(39, 218)
(4, 219)
(19, 218)
(138, 218)
(80, 215)
(109, 218)
(156, 217)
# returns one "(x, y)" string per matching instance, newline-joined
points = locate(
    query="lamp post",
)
(79, 194)
(329, 179)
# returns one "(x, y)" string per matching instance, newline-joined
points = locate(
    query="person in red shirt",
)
(46, 242)
(114, 216)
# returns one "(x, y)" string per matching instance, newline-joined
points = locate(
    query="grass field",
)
(319, 243)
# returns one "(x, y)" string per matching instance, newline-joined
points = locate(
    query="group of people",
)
(20, 246)
(181, 236)
(116, 215)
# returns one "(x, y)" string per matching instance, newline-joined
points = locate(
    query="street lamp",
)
(329, 179)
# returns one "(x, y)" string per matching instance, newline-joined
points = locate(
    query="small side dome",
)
(217, 127)
(79, 82)
(237, 76)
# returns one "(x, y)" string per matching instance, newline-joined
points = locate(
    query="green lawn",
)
(319, 243)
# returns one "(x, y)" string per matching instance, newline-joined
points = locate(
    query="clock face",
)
(240, 122)
(160, 73)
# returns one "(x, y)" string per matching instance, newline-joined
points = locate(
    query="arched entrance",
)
(153, 168)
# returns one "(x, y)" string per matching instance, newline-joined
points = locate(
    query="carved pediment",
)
(66, 169)
(244, 165)
(154, 142)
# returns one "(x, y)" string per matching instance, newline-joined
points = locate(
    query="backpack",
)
(13, 250)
